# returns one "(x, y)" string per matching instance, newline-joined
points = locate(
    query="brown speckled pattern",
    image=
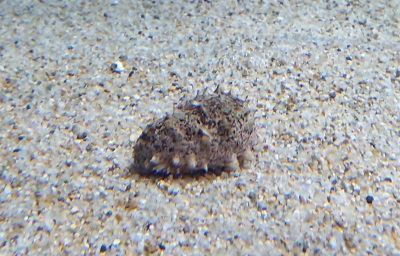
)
(210, 132)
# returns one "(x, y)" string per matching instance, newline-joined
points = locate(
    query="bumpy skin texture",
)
(210, 132)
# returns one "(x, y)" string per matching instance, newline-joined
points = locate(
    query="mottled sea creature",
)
(212, 132)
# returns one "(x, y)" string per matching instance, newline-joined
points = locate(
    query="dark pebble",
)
(16, 150)
(370, 199)
(332, 95)
(82, 135)
(109, 213)
(123, 57)
(161, 246)
(89, 147)
(103, 248)
(388, 179)
(252, 195)
(21, 137)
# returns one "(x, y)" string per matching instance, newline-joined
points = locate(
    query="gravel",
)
(322, 75)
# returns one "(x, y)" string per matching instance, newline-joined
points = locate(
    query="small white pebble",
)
(79, 215)
(116, 242)
(173, 190)
(7, 190)
(332, 243)
(356, 188)
(74, 210)
(162, 185)
(117, 67)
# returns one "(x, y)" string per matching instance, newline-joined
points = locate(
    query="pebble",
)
(103, 248)
(89, 147)
(75, 128)
(369, 199)
(161, 246)
(251, 195)
(74, 210)
(117, 67)
(116, 242)
(332, 95)
(173, 190)
(261, 205)
(82, 135)
(7, 190)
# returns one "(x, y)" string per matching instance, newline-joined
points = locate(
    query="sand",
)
(324, 77)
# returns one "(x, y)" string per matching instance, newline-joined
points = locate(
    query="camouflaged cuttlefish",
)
(212, 132)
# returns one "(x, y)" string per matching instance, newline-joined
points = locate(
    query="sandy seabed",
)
(324, 77)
